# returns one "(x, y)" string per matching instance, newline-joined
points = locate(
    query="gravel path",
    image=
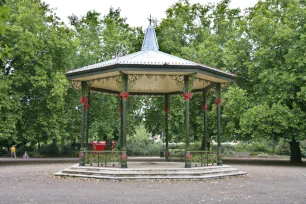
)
(264, 184)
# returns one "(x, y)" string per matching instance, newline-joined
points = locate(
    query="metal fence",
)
(203, 158)
(103, 158)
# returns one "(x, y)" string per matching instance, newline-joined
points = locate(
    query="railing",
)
(203, 158)
(103, 158)
(176, 154)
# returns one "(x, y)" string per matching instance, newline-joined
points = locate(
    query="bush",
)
(303, 152)
(195, 146)
(20, 149)
(262, 155)
(242, 147)
(65, 150)
(4, 152)
(143, 148)
(49, 149)
(282, 147)
(260, 146)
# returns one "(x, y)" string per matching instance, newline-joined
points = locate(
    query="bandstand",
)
(149, 72)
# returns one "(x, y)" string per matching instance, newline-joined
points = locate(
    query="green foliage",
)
(140, 145)
(265, 45)
(282, 147)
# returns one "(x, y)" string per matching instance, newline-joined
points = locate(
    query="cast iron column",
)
(121, 124)
(83, 101)
(87, 107)
(205, 108)
(166, 121)
(124, 95)
(187, 97)
(218, 104)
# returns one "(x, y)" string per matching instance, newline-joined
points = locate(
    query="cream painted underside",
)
(151, 84)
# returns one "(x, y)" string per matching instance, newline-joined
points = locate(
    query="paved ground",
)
(34, 183)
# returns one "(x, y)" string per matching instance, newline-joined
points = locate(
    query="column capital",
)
(83, 100)
(205, 107)
(87, 106)
(124, 95)
(218, 101)
(187, 96)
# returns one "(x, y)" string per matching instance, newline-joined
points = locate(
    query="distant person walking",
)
(13, 151)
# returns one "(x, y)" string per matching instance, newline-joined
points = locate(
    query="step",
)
(239, 173)
(107, 169)
(151, 173)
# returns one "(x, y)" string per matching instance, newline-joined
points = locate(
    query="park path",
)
(35, 183)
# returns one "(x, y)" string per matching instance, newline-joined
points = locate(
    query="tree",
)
(100, 39)
(40, 51)
(276, 66)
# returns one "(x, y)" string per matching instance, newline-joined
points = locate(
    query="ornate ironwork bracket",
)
(179, 79)
(119, 81)
(203, 81)
(75, 84)
(225, 85)
(132, 79)
(191, 81)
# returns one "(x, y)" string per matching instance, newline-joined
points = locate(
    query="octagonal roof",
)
(149, 62)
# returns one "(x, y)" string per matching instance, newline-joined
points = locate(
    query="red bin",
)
(98, 146)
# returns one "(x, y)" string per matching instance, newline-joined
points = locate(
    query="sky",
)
(136, 11)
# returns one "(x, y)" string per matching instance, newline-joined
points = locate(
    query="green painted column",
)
(166, 125)
(124, 95)
(187, 97)
(205, 108)
(121, 124)
(83, 101)
(218, 104)
(87, 107)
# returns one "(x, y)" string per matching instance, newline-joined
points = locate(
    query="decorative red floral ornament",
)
(187, 96)
(167, 110)
(124, 95)
(188, 157)
(123, 156)
(81, 155)
(87, 106)
(218, 101)
(205, 107)
(83, 100)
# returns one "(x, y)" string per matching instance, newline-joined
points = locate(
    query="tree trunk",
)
(295, 150)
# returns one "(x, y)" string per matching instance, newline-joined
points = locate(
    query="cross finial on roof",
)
(150, 19)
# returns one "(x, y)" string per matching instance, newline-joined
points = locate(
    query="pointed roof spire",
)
(150, 40)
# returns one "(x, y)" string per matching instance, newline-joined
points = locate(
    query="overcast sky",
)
(136, 11)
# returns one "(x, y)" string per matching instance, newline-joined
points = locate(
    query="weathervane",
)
(150, 19)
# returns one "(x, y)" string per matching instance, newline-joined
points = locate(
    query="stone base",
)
(194, 173)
